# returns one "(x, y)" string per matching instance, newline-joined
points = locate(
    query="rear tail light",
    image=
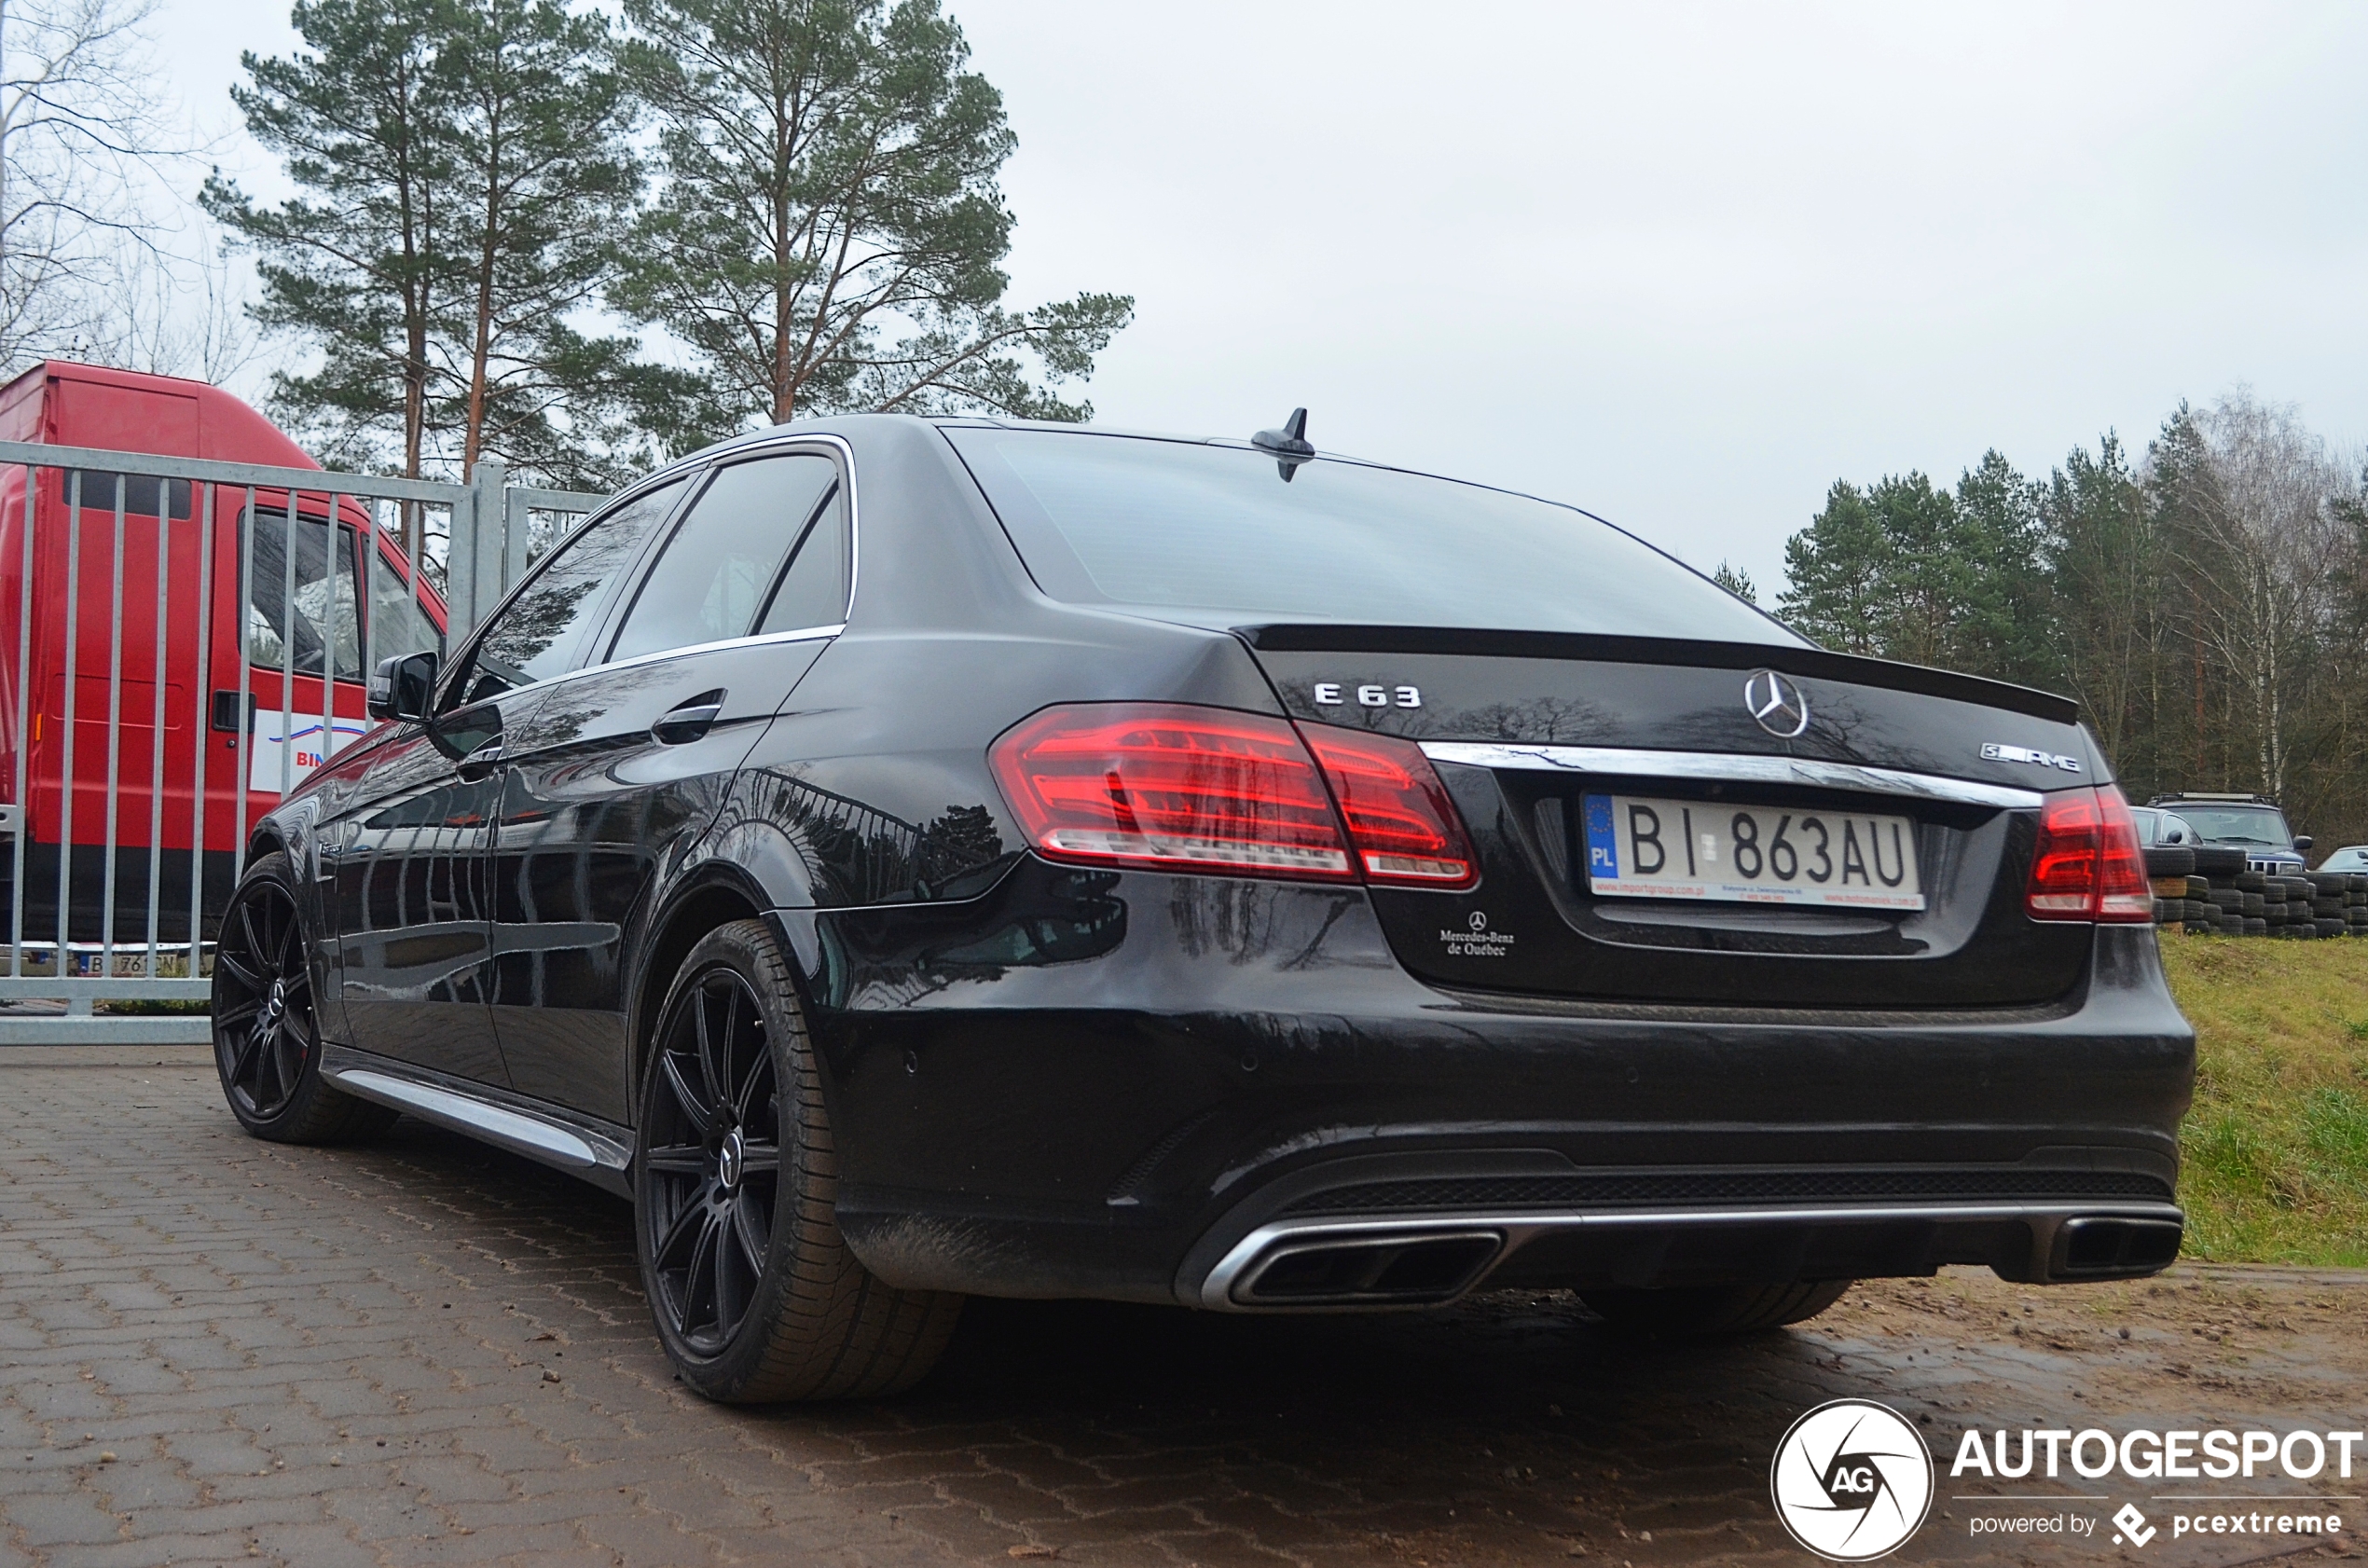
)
(1400, 819)
(2088, 864)
(1169, 786)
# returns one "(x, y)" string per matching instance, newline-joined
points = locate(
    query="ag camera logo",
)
(1852, 1480)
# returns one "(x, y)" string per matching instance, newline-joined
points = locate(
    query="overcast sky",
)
(1683, 265)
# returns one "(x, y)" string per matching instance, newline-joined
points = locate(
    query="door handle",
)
(479, 763)
(688, 720)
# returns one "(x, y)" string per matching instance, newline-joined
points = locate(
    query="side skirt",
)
(600, 1152)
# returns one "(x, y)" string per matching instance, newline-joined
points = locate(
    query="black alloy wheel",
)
(712, 1159)
(266, 1033)
(757, 1295)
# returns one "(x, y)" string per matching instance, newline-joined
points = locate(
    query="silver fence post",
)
(23, 797)
(491, 494)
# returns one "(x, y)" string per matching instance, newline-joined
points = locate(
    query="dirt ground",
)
(423, 1351)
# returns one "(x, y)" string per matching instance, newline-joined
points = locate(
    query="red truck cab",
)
(121, 719)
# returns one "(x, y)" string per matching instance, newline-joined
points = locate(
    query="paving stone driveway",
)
(421, 1352)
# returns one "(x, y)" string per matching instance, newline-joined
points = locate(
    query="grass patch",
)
(2275, 1147)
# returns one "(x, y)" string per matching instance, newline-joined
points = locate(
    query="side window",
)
(812, 591)
(714, 575)
(322, 608)
(534, 636)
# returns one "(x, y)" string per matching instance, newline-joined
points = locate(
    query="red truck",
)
(143, 592)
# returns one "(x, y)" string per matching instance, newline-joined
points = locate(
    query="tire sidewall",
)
(725, 1374)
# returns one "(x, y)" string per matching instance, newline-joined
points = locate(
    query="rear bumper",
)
(1291, 1265)
(1151, 1088)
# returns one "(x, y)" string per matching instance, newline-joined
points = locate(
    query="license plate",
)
(1642, 847)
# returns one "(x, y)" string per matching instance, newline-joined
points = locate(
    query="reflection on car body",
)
(919, 858)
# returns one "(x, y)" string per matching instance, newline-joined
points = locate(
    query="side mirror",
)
(2302, 841)
(402, 686)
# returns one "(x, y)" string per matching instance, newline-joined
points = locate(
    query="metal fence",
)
(145, 731)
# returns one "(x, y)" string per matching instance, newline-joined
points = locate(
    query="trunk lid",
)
(1523, 727)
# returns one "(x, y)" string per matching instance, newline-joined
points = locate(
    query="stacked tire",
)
(2214, 892)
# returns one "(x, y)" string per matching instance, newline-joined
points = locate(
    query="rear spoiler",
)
(1318, 637)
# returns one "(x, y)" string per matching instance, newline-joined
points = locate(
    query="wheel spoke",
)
(710, 1044)
(729, 1297)
(237, 970)
(267, 1063)
(676, 1159)
(288, 1053)
(701, 1118)
(759, 1159)
(238, 1012)
(747, 1230)
(256, 947)
(756, 1085)
(699, 1293)
(246, 1060)
(685, 1219)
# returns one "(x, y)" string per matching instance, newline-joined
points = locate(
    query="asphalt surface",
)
(422, 1352)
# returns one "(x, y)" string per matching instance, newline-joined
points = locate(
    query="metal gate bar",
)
(487, 550)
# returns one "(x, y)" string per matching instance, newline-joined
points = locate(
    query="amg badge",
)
(1992, 752)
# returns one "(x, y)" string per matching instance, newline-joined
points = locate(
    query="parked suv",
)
(2251, 823)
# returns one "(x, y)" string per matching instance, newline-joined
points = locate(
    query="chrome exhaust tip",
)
(1406, 1270)
(2113, 1246)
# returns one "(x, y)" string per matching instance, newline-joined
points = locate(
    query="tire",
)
(1713, 1312)
(2231, 925)
(2327, 928)
(2198, 889)
(266, 1037)
(755, 1294)
(2171, 859)
(2220, 864)
(2255, 906)
(2256, 928)
(2327, 884)
(2249, 882)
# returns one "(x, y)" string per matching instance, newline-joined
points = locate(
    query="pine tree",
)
(544, 184)
(467, 176)
(829, 233)
(359, 121)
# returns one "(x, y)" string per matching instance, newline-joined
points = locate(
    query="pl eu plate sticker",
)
(1603, 843)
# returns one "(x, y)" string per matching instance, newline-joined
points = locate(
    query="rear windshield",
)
(1182, 525)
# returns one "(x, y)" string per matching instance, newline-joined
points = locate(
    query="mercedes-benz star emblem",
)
(1776, 703)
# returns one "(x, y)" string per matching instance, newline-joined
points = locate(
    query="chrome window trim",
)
(696, 469)
(802, 634)
(1731, 768)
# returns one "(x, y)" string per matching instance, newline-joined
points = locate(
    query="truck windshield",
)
(2239, 824)
(1214, 530)
(316, 611)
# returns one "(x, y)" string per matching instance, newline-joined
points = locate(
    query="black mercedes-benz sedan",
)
(914, 857)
